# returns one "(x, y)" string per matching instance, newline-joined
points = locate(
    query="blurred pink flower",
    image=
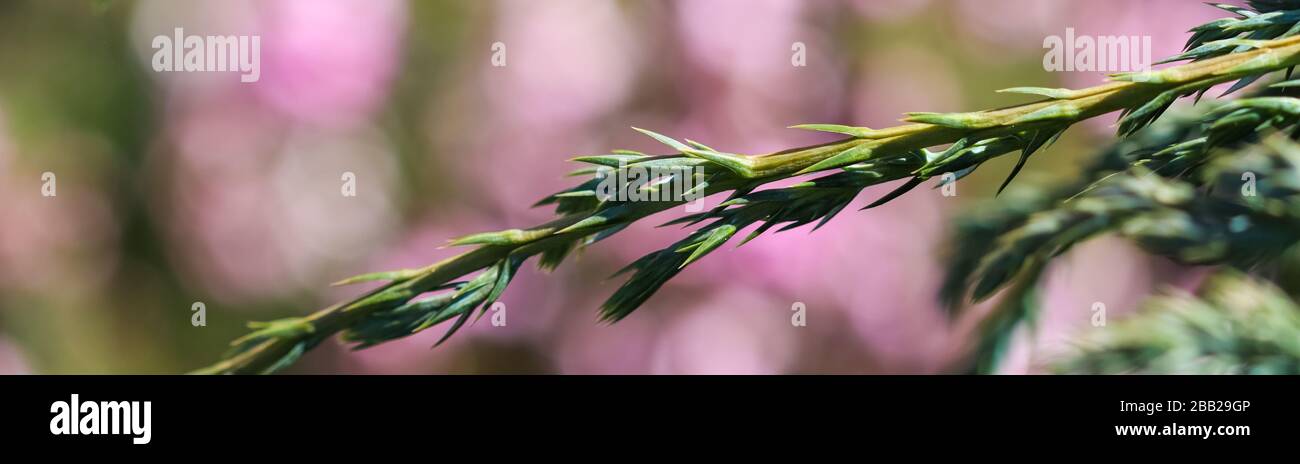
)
(755, 44)
(1018, 24)
(584, 345)
(732, 332)
(744, 67)
(219, 225)
(334, 196)
(62, 242)
(918, 80)
(330, 63)
(257, 168)
(263, 212)
(566, 61)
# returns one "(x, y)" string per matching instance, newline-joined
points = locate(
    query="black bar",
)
(237, 414)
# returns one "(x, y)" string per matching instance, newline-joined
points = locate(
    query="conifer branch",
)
(1188, 202)
(1239, 325)
(1240, 49)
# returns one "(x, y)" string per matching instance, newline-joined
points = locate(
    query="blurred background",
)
(177, 188)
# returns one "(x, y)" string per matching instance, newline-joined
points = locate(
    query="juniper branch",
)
(1166, 215)
(1222, 52)
(1239, 325)
(1196, 214)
